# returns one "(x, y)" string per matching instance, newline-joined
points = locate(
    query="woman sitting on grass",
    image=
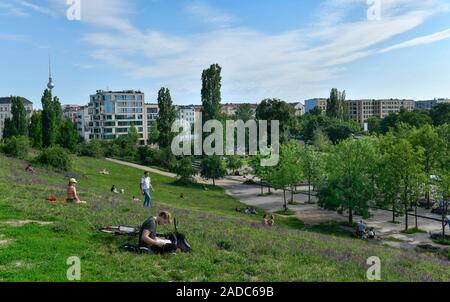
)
(72, 196)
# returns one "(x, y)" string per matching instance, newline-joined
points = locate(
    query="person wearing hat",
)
(72, 196)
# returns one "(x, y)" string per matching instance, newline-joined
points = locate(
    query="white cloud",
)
(255, 64)
(209, 14)
(442, 35)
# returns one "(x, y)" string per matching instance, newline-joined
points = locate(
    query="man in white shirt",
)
(146, 186)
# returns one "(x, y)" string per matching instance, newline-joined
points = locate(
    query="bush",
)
(185, 171)
(55, 157)
(92, 149)
(17, 147)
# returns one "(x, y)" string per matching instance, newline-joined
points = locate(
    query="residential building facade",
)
(427, 105)
(151, 114)
(299, 108)
(313, 103)
(113, 113)
(186, 113)
(5, 110)
(71, 112)
(230, 109)
(84, 123)
(362, 110)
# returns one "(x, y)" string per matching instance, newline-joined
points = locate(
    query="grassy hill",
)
(227, 246)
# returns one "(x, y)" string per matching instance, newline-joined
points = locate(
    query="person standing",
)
(146, 186)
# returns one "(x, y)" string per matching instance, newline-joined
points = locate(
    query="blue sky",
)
(293, 50)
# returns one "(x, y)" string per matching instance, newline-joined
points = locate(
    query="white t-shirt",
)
(145, 182)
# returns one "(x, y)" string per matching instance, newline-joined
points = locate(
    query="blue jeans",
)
(147, 200)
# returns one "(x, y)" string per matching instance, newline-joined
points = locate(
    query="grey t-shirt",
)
(149, 225)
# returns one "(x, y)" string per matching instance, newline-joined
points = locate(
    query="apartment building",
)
(230, 109)
(299, 108)
(5, 110)
(313, 103)
(84, 123)
(362, 110)
(186, 113)
(71, 112)
(113, 113)
(427, 105)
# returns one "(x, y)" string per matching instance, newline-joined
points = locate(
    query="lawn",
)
(227, 246)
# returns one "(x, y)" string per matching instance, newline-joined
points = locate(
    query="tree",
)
(287, 174)
(68, 136)
(440, 114)
(185, 170)
(211, 94)
(35, 130)
(311, 164)
(320, 140)
(9, 130)
(49, 123)
(19, 116)
(213, 167)
(336, 104)
(277, 110)
(432, 145)
(166, 118)
(350, 177)
(234, 162)
(338, 130)
(154, 133)
(244, 113)
(374, 124)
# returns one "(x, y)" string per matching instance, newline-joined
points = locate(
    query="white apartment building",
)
(113, 113)
(5, 110)
(186, 113)
(84, 123)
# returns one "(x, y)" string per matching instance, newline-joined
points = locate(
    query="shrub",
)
(17, 147)
(185, 170)
(55, 157)
(92, 149)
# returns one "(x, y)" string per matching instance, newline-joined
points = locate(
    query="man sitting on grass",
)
(148, 237)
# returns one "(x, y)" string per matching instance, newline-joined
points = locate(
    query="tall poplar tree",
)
(166, 118)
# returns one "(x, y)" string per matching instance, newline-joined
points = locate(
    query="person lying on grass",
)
(148, 237)
(72, 196)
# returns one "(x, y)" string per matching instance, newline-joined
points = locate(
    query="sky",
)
(288, 49)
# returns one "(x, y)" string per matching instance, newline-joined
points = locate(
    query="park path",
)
(311, 214)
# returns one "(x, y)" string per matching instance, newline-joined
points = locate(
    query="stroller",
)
(178, 239)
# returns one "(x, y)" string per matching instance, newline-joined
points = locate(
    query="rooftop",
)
(7, 100)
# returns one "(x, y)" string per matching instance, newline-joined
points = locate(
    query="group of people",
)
(247, 210)
(362, 232)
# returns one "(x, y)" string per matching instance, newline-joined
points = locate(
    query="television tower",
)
(50, 84)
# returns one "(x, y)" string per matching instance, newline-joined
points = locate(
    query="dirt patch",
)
(3, 241)
(19, 223)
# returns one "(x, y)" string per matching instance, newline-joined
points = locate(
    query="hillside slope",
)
(227, 246)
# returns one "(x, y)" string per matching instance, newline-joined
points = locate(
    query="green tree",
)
(440, 114)
(234, 162)
(311, 165)
(49, 122)
(244, 112)
(350, 177)
(277, 110)
(35, 130)
(8, 129)
(166, 118)
(154, 133)
(374, 124)
(211, 94)
(213, 167)
(68, 136)
(17, 146)
(432, 145)
(19, 116)
(185, 170)
(336, 104)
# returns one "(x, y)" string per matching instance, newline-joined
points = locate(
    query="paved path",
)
(311, 214)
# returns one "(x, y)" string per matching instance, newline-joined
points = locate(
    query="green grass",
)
(413, 231)
(227, 246)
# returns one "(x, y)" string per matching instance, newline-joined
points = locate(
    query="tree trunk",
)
(284, 196)
(292, 195)
(427, 197)
(415, 213)
(262, 189)
(350, 216)
(406, 217)
(309, 190)
(393, 214)
(214, 182)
